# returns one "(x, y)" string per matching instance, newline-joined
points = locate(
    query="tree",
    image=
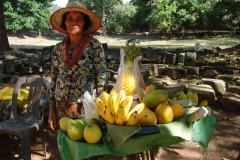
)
(4, 44)
(18, 14)
(162, 14)
(120, 18)
(104, 11)
(139, 20)
(229, 14)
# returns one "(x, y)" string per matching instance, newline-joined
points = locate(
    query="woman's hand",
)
(52, 121)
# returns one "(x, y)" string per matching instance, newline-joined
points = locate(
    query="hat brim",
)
(56, 19)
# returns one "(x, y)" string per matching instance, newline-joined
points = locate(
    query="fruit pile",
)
(190, 96)
(152, 108)
(80, 130)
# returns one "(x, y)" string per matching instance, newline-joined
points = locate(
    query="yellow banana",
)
(113, 91)
(133, 120)
(139, 108)
(189, 94)
(182, 95)
(112, 103)
(149, 89)
(126, 103)
(100, 106)
(203, 103)
(174, 98)
(120, 97)
(195, 98)
(104, 97)
(120, 116)
(108, 115)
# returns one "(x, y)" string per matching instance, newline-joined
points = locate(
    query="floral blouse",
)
(88, 74)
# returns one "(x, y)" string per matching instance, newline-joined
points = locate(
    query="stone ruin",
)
(213, 74)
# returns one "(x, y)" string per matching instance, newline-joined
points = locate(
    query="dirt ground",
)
(225, 143)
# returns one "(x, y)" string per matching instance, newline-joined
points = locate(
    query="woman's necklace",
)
(69, 52)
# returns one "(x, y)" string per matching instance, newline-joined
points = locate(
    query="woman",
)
(78, 62)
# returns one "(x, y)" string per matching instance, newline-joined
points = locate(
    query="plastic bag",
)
(135, 71)
(89, 107)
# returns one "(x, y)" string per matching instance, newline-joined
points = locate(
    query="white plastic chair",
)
(31, 121)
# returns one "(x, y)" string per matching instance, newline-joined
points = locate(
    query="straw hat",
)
(56, 17)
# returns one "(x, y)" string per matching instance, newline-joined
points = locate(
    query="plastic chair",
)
(22, 126)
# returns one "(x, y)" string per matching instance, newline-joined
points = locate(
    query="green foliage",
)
(120, 17)
(228, 13)
(162, 14)
(20, 14)
(165, 15)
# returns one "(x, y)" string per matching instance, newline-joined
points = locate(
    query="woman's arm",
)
(52, 120)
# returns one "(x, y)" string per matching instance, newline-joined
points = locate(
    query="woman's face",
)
(74, 23)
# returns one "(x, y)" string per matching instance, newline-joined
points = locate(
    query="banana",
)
(112, 103)
(113, 91)
(108, 115)
(184, 103)
(139, 108)
(126, 103)
(120, 97)
(133, 120)
(189, 94)
(100, 106)
(104, 97)
(203, 103)
(182, 95)
(120, 116)
(195, 98)
(174, 98)
(149, 89)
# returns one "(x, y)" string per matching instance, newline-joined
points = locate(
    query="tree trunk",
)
(104, 29)
(4, 44)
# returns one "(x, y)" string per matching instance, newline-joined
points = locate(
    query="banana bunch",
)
(116, 108)
(190, 96)
(186, 99)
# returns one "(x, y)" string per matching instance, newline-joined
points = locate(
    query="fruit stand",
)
(134, 117)
(199, 131)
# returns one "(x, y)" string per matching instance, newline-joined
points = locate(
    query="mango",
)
(147, 118)
(153, 99)
(178, 110)
(164, 113)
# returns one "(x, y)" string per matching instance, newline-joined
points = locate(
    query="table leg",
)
(204, 153)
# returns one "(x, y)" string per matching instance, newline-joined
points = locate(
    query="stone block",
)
(192, 70)
(231, 101)
(158, 82)
(233, 89)
(218, 85)
(181, 58)
(190, 58)
(228, 78)
(189, 81)
(238, 82)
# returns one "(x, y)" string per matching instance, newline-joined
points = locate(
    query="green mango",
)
(153, 99)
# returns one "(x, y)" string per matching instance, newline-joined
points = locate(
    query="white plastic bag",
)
(89, 107)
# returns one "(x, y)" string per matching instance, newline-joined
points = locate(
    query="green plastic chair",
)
(22, 126)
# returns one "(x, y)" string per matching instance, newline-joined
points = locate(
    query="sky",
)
(63, 3)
